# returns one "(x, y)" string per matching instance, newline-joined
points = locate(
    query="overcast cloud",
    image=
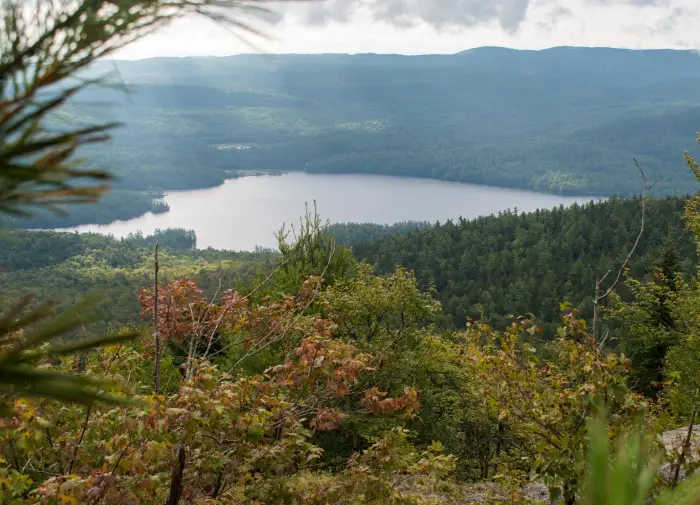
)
(441, 26)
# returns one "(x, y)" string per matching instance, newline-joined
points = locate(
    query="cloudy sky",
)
(439, 26)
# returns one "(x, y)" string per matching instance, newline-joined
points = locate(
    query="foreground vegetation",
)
(322, 382)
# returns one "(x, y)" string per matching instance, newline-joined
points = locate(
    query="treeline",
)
(356, 234)
(174, 238)
(490, 267)
(116, 205)
(66, 267)
(497, 266)
(20, 249)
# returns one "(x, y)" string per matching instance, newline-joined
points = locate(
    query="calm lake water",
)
(246, 212)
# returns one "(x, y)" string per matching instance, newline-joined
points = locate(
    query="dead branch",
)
(686, 447)
(176, 478)
(156, 336)
(599, 283)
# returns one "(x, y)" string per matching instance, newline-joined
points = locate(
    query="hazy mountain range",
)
(561, 120)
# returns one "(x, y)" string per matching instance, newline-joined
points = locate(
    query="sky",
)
(435, 26)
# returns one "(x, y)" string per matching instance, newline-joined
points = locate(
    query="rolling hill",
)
(565, 120)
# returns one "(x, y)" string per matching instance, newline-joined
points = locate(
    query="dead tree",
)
(601, 295)
(685, 449)
(156, 335)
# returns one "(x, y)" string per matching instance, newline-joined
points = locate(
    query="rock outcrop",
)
(673, 441)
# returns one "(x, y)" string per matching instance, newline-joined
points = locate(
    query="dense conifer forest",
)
(498, 266)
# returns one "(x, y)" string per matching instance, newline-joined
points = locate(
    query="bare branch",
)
(599, 283)
(253, 351)
(156, 329)
(686, 447)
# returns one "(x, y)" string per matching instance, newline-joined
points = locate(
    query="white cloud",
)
(441, 26)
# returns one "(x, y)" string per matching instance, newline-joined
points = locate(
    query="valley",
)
(564, 120)
(247, 212)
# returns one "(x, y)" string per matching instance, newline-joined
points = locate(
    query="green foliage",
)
(25, 336)
(648, 326)
(376, 312)
(545, 404)
(13, 485)
(358, 234)
(682, 373)
(660, 325)
(494, 267)
(384, 317)
(172, 238)
(310, 249)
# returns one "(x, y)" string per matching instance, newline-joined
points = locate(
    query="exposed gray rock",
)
(486, 493)
(673, 441)
(536, 491)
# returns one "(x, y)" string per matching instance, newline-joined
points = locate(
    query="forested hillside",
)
(66, 267)
(117, 204)
(498, 266)
(492, 267)
(564, 120)
(561, 120)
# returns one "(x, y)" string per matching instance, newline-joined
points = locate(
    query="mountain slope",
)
(563, 120)
(511, 264)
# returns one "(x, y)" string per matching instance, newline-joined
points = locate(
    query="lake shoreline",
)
(245, 212)
(239, 174)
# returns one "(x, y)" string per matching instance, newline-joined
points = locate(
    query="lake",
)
(246, 212)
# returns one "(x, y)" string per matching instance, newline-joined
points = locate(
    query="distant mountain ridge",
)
(565, 120)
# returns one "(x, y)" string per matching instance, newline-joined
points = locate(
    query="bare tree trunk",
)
(217, 484)
(176, 478)
(191, 350)
(156, 336)
(596, 312)
(621, 271)
(686, 447)
(80, 441)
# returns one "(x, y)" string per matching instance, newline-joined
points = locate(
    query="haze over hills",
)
(565, 120)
